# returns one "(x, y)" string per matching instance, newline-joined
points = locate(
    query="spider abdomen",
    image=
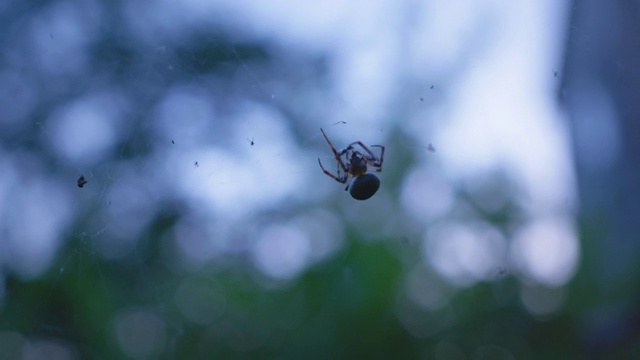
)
(363, 187)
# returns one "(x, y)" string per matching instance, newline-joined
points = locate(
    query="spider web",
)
(199, 148)
(202, 126)
(205, 163)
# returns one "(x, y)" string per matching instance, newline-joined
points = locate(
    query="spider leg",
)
(335, 153)
(338, 166)
(371, 157)
(342, 179)
(379, 164)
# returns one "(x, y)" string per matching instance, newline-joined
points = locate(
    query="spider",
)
(355, 163)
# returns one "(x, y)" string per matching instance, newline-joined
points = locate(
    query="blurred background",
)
(506, 225)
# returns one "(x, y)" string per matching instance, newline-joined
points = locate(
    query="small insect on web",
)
(82, 181)
(355, 165)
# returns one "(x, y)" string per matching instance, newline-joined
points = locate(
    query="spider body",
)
(354, 164)
(363, 187)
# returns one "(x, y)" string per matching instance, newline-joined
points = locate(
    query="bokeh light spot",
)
(282, 252)
(547, 251)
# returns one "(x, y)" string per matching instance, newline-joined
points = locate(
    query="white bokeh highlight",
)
(546, 251)
(282, 252)
(465, 253)
(86, 131)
